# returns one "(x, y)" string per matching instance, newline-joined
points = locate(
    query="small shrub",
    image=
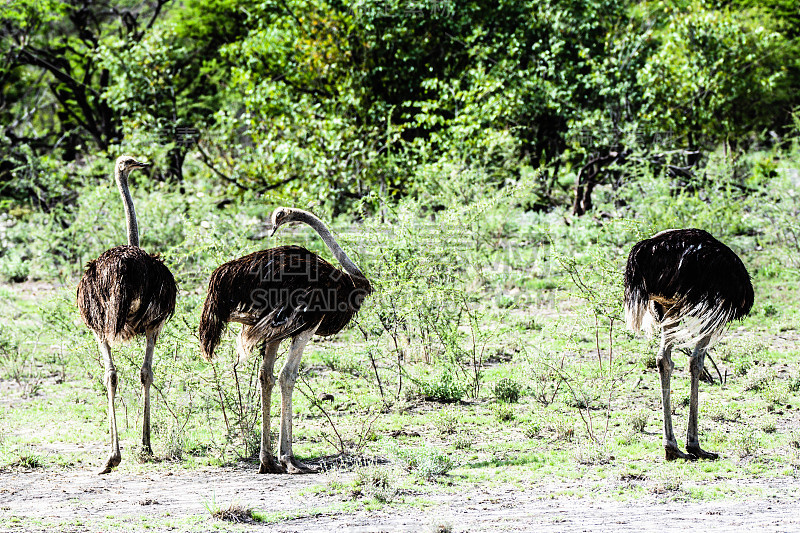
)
(741, 349)
(376, 482)
(544, 381)
(441, 388)
(176, 444)
(722, 413)
(533, 325)
(769, 425)
(507, 390)
(446, 422)
(770, 310)
(638, 420)
(682, 400)
(532, 430)
(591, 454)
(463, 441)
(331, 359)
(564, 428)
(505, 302)
(744, 444)
(334, 360)
(14, 267)
(794, 383)
(741, 353)
(667, 482)
(741, 367)
(776, 393)
(504, 413)
(28, 460)
(759, 379)
(233, 513)
(648, 361)
(628, 437)
(425, 461)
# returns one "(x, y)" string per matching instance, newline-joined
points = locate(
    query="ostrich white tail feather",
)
(682, 326)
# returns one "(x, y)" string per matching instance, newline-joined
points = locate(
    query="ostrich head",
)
(283, 215)
(125, 164)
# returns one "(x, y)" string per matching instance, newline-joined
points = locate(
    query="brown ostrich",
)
(276, 294)
(124, 293)
(691, 285)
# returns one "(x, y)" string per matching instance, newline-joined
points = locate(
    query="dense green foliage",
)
(335, 102)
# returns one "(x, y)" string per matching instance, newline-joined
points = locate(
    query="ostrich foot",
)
(702, 454)
(113, 461)
(271, 466)
(293, 466)
(672, 452)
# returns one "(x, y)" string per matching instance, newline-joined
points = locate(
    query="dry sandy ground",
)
(76, 499)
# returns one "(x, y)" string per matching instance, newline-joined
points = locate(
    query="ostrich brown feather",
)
(277, 293)
(126, 292)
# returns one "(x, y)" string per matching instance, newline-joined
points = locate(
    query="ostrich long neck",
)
(130, 214)
(333, 246)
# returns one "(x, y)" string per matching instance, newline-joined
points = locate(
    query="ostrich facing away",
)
(276, 294)
(124, 293)
(691, 285)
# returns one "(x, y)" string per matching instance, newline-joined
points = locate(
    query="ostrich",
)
(123, 293)
(280, 293)
(691, 285)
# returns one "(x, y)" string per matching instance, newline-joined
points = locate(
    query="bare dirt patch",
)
(79, 500)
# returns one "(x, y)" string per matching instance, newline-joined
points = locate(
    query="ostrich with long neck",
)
(124, 293)
(276, 294)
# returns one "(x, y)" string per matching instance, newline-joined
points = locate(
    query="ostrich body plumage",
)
(277, 293)
(126, 292)
(687, 283)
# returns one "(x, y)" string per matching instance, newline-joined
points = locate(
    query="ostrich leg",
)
(146, 376)
(696, 362)
(115, 458)
(269, 465)
(665, 367)
(286, 380)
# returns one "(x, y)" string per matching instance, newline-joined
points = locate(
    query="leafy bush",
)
(564, 428)
(463, 441)
(446, 422)
(590, 453)
(532, 430)
(425, 461)
(769, 425)
(441, 387)
(775, 393)
(507, 390)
